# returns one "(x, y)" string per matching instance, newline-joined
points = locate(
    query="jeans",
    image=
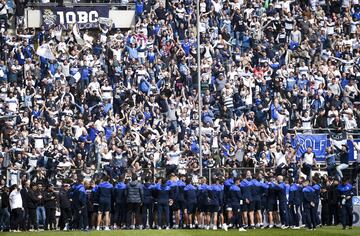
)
(4, 218)
(341, 167)
(40, 214)
(163, 208)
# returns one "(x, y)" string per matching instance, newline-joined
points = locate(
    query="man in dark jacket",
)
(164, 198)
(24, 195)
(309, 205)
(134, 198)
(120, 203)
(235, 202)
(79, 204)
(65, 207)
(333, 204)
(50, 207)
(148, 203)
(32, 204)
(190, 195)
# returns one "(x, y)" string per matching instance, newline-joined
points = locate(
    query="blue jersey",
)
(180, 185)
(162, 193)
(282, 193)
(345, 191)
(78, 196)
(190, 194)
(247, 189)
(235, 195)
(203, 194)
(120, 193)
(216, 195)
(148, 193)
(308, 196)
(295, 194)
(105, 190)
(256, 190)
(317, 188)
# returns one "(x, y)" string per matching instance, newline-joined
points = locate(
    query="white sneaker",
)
(225, 227)
(97, 228)
(191, 226)
(107, 228)
(296, 227)
(214, 227)
(167, 228)
(207, 227)
(242, 229)
(159, 228)
(271, 226)
(284, 227)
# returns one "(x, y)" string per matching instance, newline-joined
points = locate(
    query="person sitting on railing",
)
(308, 160)
(330, 161)
(343, 155)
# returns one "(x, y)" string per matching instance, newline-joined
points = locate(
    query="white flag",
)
(45, 51)
(77, 35)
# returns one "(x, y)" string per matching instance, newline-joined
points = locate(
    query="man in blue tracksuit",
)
(179, 204)
(148, 203)
(120, 203)
(163, 195)
(309, 205)
(317, 186)
(346, 192)
(79, 205)
(272, 205)
(105, 190)
(216, 200)
(248, 206)
(190, 195)
(283, 202)
(203, 203)
(295, 197)
(257, 192)
(172, 183)
(227, 184)
(235, 199)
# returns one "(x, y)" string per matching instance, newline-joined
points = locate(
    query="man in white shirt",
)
(308, 160)
(173, 157)
(16, 206)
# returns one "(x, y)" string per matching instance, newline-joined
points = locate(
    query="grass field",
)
(328, 231)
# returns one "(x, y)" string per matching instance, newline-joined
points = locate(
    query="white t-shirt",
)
(309, 158)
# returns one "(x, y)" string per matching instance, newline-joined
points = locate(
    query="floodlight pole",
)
(199, 81)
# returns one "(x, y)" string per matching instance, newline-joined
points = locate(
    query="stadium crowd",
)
(113, 105)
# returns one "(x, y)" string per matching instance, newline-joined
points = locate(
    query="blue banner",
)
(352, 150)
(318, 143)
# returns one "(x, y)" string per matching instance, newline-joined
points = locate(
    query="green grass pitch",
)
(326, 231)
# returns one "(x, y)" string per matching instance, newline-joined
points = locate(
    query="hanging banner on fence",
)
(85, 17)
(318, 143)
(352, 150)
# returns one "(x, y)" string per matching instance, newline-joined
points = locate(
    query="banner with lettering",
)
(318, 143)
(85, 17)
